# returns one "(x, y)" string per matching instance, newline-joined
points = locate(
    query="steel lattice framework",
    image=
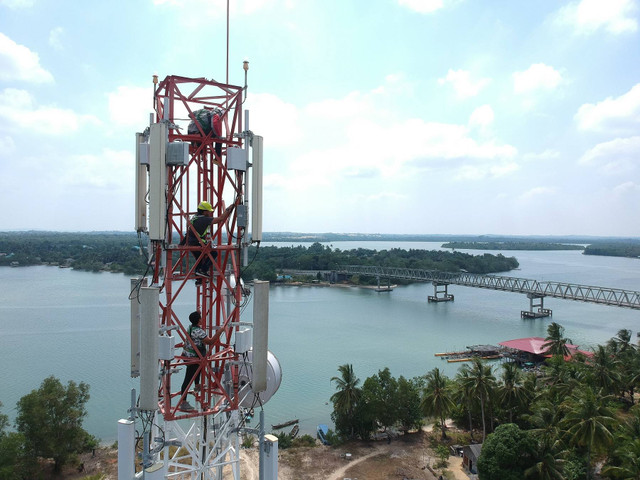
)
(569, 291)
(206, 177)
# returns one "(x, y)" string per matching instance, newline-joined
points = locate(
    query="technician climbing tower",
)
(198, 147)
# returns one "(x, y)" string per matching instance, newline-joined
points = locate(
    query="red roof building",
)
(534, 346)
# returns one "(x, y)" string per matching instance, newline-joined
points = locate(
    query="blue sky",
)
(378, 116)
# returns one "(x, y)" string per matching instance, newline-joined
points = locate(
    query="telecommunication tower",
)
(197, 148)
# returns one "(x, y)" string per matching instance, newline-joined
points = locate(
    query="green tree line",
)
(620, 249)
(559, 422)
(110, 251)
(267, 262)
(123, 252)
(511, 246)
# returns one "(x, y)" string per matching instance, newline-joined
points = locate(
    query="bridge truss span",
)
(532, 288)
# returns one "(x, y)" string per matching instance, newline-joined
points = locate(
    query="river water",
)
(75, 325)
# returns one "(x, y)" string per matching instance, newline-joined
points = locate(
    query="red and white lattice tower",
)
(182, 169)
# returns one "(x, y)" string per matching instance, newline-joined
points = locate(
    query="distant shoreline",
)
(330, 285)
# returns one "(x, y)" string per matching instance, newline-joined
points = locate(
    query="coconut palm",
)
(627, 362)
(437, 400)
(604, 370)
(588, 422)
(555, 342)
(512, 393)
(464, 394)
(479, 379)
(548, 466)
(621, 342)
(348, 392)
(544, 419)
(629, 468)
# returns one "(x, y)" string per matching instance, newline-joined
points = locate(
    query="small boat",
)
(285, 424)
(294, 431)
(321, 432)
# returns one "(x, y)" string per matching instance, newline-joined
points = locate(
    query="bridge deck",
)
(568, 291)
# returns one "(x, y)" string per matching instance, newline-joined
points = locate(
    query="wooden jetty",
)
(485, 352)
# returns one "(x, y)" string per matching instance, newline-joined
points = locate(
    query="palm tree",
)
(544, 420)
(604, 371)
(561, 378)
(627, 361)
(463, 393)
(479, 379)
(548, 466)
(588, 422)
(629, 454)
(348, 393)
(512, 392)
(555, 343)
(621, 342)
(437, 400)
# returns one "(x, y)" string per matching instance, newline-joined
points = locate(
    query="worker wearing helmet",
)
(200, 342)
(199, 229)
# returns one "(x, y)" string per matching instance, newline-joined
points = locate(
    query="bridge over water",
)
(536, 291)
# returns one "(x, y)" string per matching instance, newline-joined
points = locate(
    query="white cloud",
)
(7, 145)
(462, 83)
(378, 198)
(589, 16)
(352, 137)
(617, 114)
(626, 188)
(275, 181)
(108, 170)
(19, 63)
(19, 109)
(129, 107)
(422, 6)
(545, 155)
(616, 157)
(537, 192)
(537, 77)
(15, 4)
(353, 104)
(481, 117)
(211, 9)
(55, 38)
(274, 119)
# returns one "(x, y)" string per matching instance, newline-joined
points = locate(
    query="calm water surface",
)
(75, 325)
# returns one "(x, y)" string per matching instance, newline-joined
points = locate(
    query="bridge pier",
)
(436, 297)
(536, 307)
(386, 288)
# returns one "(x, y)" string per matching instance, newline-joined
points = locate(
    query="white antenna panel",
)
(256, 192)
(149, 328)
(260, 334)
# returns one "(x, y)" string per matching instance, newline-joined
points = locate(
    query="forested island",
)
(511, 246)
(618, 249)
(121, 252)
(126, 253)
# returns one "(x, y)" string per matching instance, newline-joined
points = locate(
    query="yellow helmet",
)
(204, 205)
